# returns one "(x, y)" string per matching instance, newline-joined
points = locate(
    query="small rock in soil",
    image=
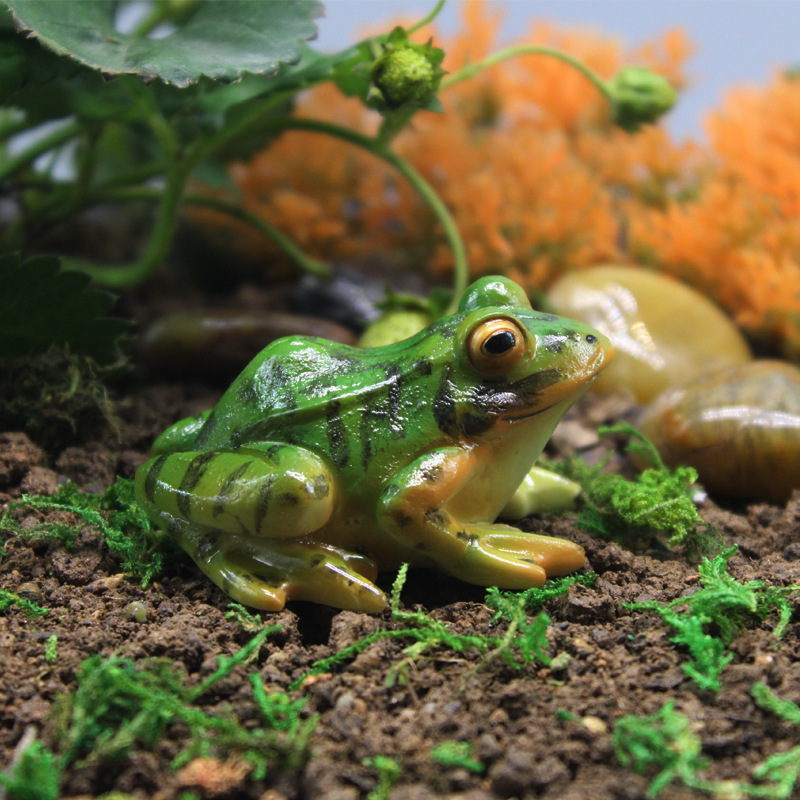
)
(18, 454)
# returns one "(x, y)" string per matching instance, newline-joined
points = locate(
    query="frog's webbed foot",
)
(499, 555)
(265, 574)
(414, 513)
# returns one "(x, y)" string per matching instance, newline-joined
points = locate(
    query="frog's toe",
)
(515, 560)
(249, 589)
(489, 566)
(558, 556)
(266, 575)
(345, 590)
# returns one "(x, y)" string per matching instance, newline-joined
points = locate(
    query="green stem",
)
(139, 174)
(164, 12)
(491, 657)
(175, 177)
(85, 163)
(12, 127)
(283, 242)
(205, 148)
(157, 246)
(158, 13)
(163, 131)
(470, 70)
(460, 265)
(425, 190)
(427, 20)
(52, 140)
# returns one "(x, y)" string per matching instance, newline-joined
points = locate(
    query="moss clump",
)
(8, 599)
(707, 621)
(115, 513)
(389, 772)
(57, 397)
(35, 775)
(630, 511)
(666, 741)
(456, 755)
(524, 642)
(120, 705)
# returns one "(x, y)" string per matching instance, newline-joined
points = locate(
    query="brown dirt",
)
(539, 732)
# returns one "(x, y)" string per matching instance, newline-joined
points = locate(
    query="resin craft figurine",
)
(323, 463)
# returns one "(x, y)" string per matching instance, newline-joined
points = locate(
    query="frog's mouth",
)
(565, 400)
(522, 395)
(519, 417)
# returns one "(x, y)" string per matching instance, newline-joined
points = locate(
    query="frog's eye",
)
(496, 345)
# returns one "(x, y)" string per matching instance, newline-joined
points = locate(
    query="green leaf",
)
(220, 40)
(26, 67)
(41, 305)
(12, 67)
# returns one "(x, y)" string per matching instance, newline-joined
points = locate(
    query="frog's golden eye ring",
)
(496, 345)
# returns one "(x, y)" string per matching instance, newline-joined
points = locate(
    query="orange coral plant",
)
(738, 238)
(540, 181)
(519, 157)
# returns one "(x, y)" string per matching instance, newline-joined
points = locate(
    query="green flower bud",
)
(640, 96)
(406, 74)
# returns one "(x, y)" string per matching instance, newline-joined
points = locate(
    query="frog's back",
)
(303, 389)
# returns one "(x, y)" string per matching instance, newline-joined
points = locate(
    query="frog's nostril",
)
(591, 338)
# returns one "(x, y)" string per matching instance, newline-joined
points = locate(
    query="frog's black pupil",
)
(591, 338)
(499, 343)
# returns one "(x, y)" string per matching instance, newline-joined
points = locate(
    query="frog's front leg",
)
(414, 511)
(241, 515)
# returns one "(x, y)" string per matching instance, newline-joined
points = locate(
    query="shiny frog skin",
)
(323, 464)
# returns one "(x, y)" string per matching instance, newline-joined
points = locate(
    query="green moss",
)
(127, 531)
(120, 705)
(630, 511)
(536, 596)
(524, 641)
(35, 776)
(665, 741)
(8, 599)
(707, 621)
(238, 613)
(779, 772)
(454, 755)
(389, 772)
(51, 649)
(57, 397)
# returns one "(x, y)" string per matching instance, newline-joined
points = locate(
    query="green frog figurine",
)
(323, 463)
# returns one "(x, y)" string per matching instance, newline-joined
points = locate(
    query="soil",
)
(540, 732)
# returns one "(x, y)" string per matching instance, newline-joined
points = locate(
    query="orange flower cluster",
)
(540, 181)
(523, 157)
(738, 238)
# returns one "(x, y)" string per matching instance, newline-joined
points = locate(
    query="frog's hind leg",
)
(267, 573)
(274, 491)
(241, 515)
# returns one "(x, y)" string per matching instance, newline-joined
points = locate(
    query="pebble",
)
(39, 480)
